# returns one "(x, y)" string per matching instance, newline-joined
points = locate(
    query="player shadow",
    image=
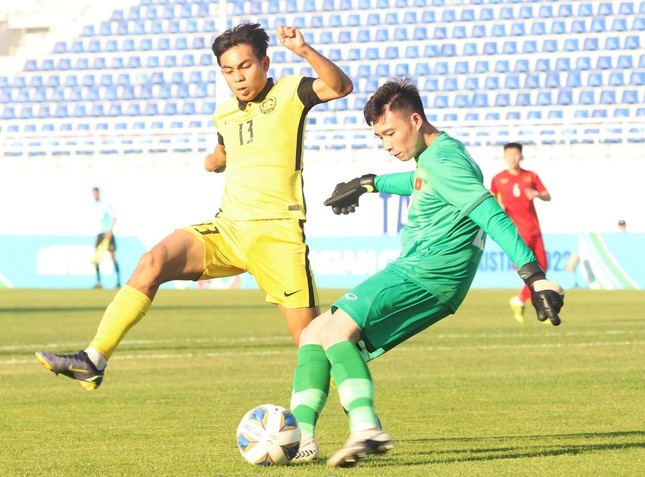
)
(101, 308)
(519, 451)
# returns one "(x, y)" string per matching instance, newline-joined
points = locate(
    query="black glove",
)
(344, 199)
(547, 296)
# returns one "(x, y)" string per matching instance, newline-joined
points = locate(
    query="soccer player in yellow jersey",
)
(259, 227)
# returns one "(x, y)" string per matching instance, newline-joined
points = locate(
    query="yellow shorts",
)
(273, 251)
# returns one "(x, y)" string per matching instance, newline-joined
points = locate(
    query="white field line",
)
(591, 344)
(266, 339)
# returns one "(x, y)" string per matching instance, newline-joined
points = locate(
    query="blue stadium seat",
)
(590, 44)
(490, 48)
(428, 16)
(506, 13)
(621, 113)
(441, 68)
(542, 65)
(486, 14)
(440, 33)
(448, 16)
(364, 36)
(533, 115)
(637, 78)
(616, 79)
(608, 97)
(565, 98)
(459, 32)
(529, 46)
(523, 99)
(471, 84)
(626, 8)
(462, 67)
(502, 100)
(585, 10)
(509, 48)
(546, 11)
(573, 80)
(583, 63)
(501, 66)
(612, 43)
(632, 42)
(479, 31)
(448, 49)
(598, 25)
(537, 28)
(549, 46)
(521, 66)
(462, 101)
(480, 100)
(517, 29)
(586, 98)
(552, 81)
(372, 53)
(491, 83)
(532, 82)
(629, 97)
(571, 44)
(558, 27)
(482, 66)
(382, 70)
(562, 64)
(421, 69)
(603, 63)
(470, 49)
(401, 34)
(512, 82)
(412, 51)
(498, 30)
(594, 79)
(467, 15)
(440, 101)
(450, 84)
(578, 26)
(605, 9)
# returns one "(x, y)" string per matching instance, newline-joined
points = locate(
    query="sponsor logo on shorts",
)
(350, 296)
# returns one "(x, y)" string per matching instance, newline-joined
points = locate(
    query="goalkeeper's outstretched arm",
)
(547, 296)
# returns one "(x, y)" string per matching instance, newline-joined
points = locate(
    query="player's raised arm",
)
(216, 162)
(332, 82)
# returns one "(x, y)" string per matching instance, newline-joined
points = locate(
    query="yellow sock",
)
(127, 308)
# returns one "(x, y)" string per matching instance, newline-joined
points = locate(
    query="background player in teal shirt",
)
(451, 213)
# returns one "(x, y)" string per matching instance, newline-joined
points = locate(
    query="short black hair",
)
(251, 34)
(514, 145)
(96, 189)
(396, 95)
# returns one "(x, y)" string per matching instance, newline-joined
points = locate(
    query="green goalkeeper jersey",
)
(441, 245)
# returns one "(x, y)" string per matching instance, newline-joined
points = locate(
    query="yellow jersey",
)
(263, 139)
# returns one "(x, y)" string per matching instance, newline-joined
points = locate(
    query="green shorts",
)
(388, 309)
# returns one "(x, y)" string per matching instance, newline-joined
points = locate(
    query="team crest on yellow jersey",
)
(268, 105)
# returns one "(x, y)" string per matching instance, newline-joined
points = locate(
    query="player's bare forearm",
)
(216, 162)
(545, 196)
(332, 82)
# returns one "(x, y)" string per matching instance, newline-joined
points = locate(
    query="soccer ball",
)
(268, 435)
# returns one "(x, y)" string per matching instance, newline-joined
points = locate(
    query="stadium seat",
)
(632, 42)
(583, 63)
(542, 65)
(590, 44)
(471, 84)
(573, 80)
(523, 99)
(532, 82)
(608, 97)
(637, 78)
(498, 30)
(565, 98)
(450, 84)
(491, 83)
(626, 8)
(585, 10)
(502, 100)
(546, 11)
(572, 44)
(594, 80)
(578, 26)
(529, 46)
(479, 31)
(629, 97)
(558, 27)
(605, 9)
(552, 81)
(603, 63)
(562, 64)
(616, 79)
(598, 25)
(509, 48)
(586, 98)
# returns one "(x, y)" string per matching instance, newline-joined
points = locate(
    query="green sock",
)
(355, 386)
(310, 387)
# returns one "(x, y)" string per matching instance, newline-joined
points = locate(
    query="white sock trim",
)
(97, 358)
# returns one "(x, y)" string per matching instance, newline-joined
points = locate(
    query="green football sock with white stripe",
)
(354, 383)
(310, 387)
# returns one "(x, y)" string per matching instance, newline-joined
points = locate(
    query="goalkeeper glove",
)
(344, 199)
(547, 296)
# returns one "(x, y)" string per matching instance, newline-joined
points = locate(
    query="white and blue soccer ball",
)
(268, 435)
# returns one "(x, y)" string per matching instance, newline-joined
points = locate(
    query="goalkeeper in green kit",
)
(450, 215)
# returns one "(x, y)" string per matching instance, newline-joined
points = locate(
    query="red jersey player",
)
(515, 189)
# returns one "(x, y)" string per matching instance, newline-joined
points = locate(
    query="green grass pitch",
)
(475, 395)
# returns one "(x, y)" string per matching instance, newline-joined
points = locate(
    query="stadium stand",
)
(487, 68)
